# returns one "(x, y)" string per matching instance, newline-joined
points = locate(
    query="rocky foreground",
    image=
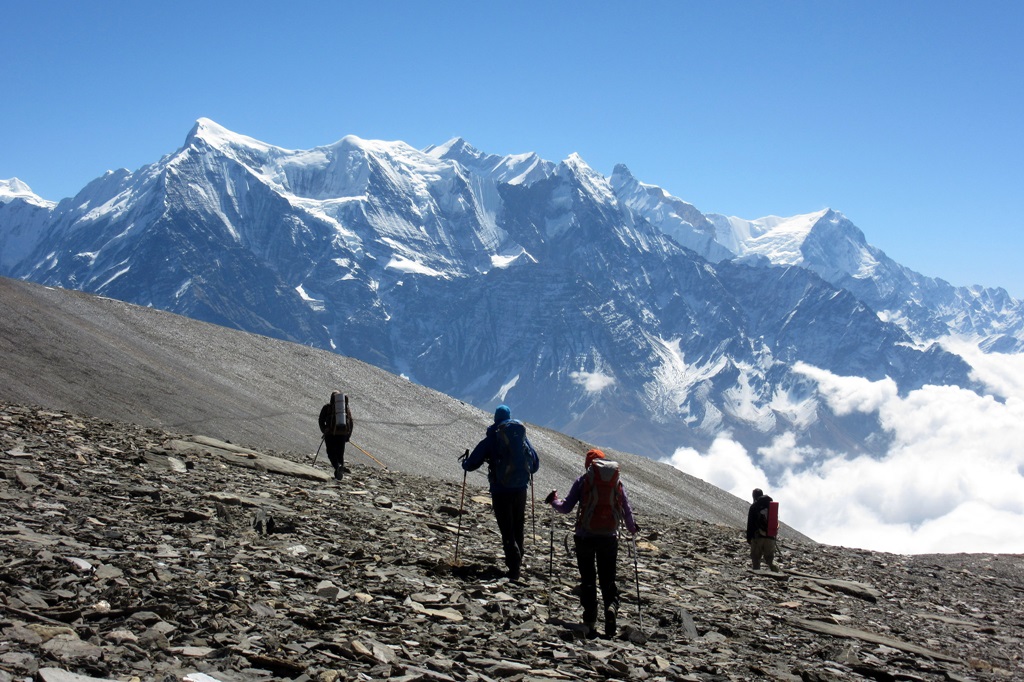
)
(134, 554)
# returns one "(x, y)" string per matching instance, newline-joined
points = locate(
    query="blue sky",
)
(905, 116)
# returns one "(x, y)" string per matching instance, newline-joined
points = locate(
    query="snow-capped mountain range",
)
(601, 306)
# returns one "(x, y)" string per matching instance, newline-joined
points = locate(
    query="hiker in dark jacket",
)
(597, 545)
(761, 546)
(509, 502)
(335, 442)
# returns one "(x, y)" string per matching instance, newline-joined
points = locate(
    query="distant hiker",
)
(336, 425)
(603, 506)
(512, 461)
(760, 534)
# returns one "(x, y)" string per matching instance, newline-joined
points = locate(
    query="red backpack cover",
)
(773, 519)
(601, 501)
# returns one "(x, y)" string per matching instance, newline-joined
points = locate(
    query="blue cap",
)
(503, 413)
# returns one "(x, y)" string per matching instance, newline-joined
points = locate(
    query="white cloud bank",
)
(952, 480)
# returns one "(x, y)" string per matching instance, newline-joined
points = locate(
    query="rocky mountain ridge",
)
(131, 553)
(493, 279)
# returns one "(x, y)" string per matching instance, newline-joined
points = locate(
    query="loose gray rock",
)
(114, 567)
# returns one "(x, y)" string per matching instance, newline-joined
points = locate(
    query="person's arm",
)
(477, 457)
(564, 506)
(751, 523)
(534, 459)
(627, 511)
(325, 418)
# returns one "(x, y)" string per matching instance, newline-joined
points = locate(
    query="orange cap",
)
(591, 456)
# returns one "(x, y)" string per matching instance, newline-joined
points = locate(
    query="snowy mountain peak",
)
(514, 169)
(595, 183)
(455, 148)
(16, 189)
(778, 239)
(376, 147)
(212, 134)
(673, 216)
(622, 172)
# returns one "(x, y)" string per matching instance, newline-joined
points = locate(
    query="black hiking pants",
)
(335, 446)
(510, 513)
(596, 557)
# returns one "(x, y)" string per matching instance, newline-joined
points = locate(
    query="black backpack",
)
(337, 424)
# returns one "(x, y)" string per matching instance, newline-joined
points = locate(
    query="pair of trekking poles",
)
(323, 438)
(551, 543)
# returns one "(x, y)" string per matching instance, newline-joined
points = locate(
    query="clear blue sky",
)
(906, 116)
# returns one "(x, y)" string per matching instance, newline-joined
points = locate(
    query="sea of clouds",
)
(951, 481)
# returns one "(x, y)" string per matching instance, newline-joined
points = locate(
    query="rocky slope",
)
(132, 553)
(104, 358)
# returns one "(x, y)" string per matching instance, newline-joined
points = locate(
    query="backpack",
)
(510, 463)
(337, 425)
(768, 520)
(600, 501)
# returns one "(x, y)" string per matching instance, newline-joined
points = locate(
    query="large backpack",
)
(600, 501)
(768, 519)
(510, 463)
(337, 425)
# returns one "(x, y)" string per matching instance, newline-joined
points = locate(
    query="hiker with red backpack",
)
(762, 527)
(512, 462)
(603, 506)
(336, 424)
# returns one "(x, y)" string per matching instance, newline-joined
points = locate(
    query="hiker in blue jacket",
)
(604, 506)
(512, 461)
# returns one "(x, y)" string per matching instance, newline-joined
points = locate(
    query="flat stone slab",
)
(247, 458)
(865, 636)
(58, 675)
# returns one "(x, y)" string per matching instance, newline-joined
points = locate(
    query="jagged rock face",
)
(578, 298)
(136, 553)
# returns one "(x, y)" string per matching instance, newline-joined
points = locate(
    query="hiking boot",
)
(590, 629)
(610, 614)
(339, 473)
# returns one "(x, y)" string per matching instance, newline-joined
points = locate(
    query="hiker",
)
(512, 461)
(762, 545)
(603, 506)
(335, 437)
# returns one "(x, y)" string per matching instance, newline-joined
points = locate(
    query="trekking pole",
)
(382, 465)
(636, 574)
(318, 450)
(551, 546)
(462, 501)
(533, 511)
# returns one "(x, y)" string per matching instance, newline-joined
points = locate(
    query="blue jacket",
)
(486, 450)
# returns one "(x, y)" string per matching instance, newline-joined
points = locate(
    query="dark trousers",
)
(510, 513)
(762, 548)
(335, 450)
(596, 557)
